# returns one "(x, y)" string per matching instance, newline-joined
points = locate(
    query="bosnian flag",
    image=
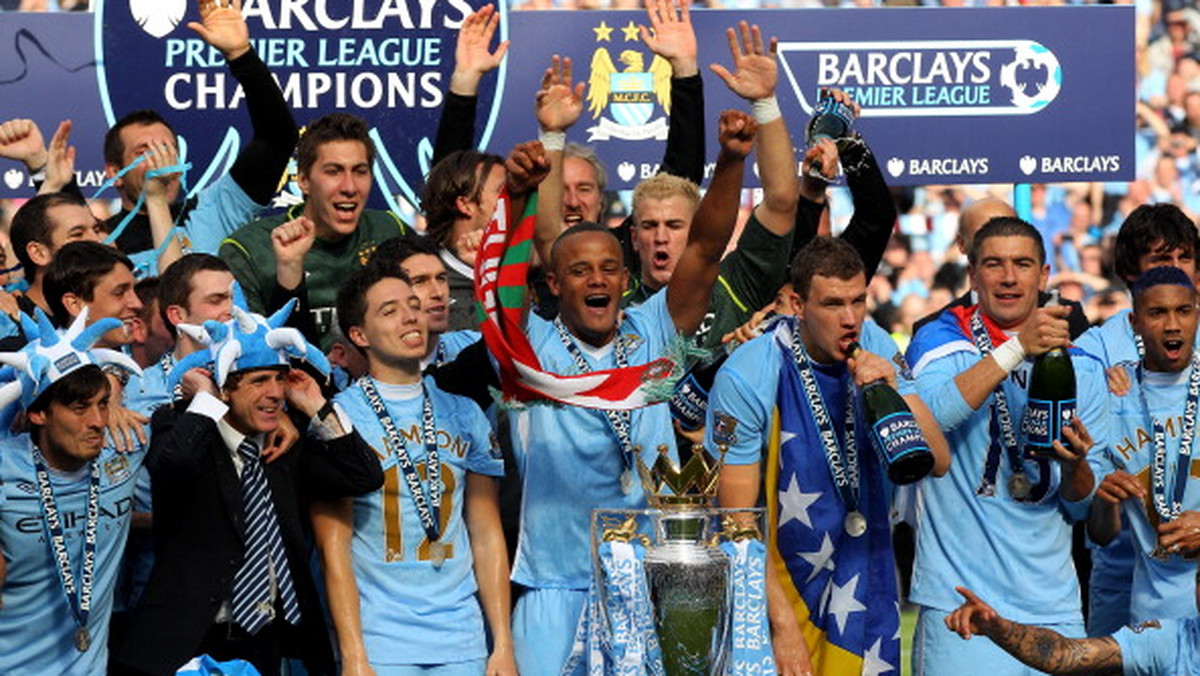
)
(500, 273)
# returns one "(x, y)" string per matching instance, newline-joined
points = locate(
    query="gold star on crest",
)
(603, 32)
(630, 31)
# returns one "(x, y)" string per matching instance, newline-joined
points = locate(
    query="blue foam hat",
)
(48, 356)
(247, 341)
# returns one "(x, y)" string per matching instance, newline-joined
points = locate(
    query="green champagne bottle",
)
(1051, 402)
(897, 436)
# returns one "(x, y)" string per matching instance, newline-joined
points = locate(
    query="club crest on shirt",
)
(494, 447)
(631, 341)
(724, 430)
(116, 468)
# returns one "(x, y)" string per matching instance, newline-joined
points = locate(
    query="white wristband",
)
(553, 140)
(1009, 355)
(765, 110)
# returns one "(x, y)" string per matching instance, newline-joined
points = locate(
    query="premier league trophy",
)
(668, 577)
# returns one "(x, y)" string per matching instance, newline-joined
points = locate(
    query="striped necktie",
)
(252, 608)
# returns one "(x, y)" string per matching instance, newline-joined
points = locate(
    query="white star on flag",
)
(873, 664)
(842, 602)
(785, 436)
(822, 559)
(794, 504)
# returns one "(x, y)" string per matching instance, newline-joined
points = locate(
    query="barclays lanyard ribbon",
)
(1158, 475)
(619, 421)
(79, 597)
(428, 502)
(844, 470)
(1019, 486)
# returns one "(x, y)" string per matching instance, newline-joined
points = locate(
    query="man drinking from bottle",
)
(826, 489)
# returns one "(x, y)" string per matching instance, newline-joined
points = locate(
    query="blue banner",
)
(980, 95)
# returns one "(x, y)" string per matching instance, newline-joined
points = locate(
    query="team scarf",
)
(501, 291)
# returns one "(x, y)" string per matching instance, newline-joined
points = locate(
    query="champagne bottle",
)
(1051, 403)
(897, 436)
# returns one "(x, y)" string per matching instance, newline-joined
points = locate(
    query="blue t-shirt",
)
(970, 531)
(569, 457)
(222, 208)
(1161, 589)
(37, 627)
(414, 612)
(1167, 648)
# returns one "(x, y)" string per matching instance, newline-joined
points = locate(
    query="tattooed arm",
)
(1042, 649)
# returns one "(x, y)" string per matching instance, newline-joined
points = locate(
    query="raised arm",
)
(558, 106)
(158, 157)
(672, 37)
(756, 77)
(262, 161)
(472, 60)
(691, 284)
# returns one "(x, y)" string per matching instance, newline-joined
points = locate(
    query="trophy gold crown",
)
(693, 484)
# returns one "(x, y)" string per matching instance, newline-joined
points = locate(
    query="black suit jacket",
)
(199, 525)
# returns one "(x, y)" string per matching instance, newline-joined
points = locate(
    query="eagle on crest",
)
(600, 84)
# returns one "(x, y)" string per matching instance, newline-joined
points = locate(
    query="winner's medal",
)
(627, 481)
(83, 640)
(1159, 553)
(437, 553)
(1019, 486)
(855, 524)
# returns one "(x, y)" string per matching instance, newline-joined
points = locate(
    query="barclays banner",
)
(949, 95)
(981, 95)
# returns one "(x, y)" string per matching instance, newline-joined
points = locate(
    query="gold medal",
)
(1019, 486)
(83, 639)
(855, 524)
(437, 553)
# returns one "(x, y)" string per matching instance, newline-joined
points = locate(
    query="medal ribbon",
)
(1183, 464)
(79, 598)
(429, 503)
(1001, 415)
(618, 421)
(845, 473)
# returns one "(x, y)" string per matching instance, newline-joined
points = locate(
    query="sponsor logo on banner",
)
(388, 62)
(938, 166)
(1074, 164)
(624, 94)
(924, 78)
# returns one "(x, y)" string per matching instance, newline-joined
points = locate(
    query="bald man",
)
(972, 218)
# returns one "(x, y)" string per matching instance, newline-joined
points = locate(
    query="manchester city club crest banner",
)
(980, 95)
